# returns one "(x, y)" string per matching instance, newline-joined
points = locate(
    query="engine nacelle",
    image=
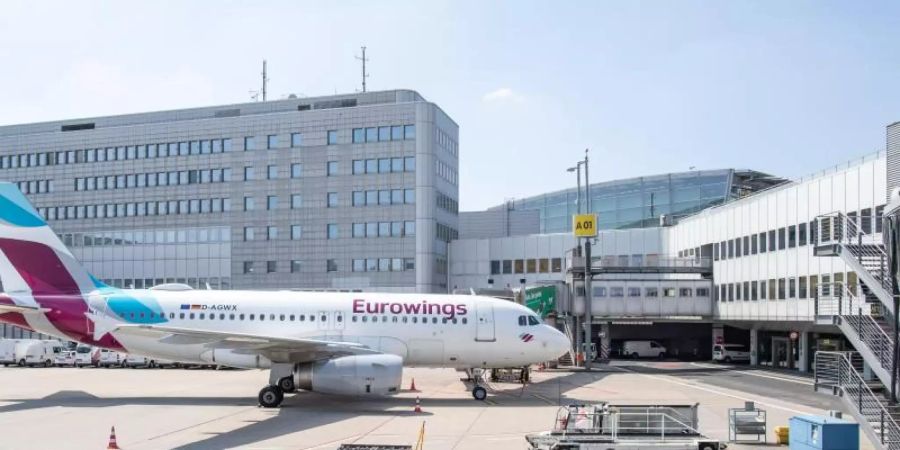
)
(228, 357)
(361, 375)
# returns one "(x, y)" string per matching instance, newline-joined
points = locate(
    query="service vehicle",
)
(36, 352)
(730, 353)
(8, 351)
(108, 358)
(83, 355)
(65, 358)
(643, 349)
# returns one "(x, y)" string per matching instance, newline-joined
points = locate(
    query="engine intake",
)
(360, 375)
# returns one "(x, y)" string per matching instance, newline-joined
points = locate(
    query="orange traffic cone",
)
(412, 387)
(112, 440)
(418, 408)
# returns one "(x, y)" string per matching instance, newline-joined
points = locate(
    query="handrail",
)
(836, 370)
(836, 228)
(613, 421)
(843, 301)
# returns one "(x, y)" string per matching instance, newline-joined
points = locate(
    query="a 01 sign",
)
(584, 225)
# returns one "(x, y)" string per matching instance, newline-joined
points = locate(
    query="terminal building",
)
(345, 192)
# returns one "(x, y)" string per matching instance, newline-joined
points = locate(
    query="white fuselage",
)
(425, 330)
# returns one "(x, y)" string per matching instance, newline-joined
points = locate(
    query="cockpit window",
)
(533, 320)
(523, 321)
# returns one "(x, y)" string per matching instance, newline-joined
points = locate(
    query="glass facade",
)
(635, 202)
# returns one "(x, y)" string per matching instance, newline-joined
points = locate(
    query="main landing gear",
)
(281, 381)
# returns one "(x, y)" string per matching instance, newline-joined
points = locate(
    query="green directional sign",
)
(541, 299)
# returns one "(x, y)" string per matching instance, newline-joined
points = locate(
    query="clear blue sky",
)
(785, 87)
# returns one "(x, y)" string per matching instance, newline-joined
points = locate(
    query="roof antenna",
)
(364, 73)
(254, 95)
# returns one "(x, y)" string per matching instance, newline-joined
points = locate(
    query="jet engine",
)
(359, 375)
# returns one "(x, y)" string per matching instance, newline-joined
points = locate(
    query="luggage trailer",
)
(606, 426)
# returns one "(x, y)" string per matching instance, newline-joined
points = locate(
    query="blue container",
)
(823, 433)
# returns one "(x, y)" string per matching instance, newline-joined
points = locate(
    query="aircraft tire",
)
(287, 384)
(479, 393)
(270, 397)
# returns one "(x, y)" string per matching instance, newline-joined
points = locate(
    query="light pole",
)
(588, 273)
(575, 321)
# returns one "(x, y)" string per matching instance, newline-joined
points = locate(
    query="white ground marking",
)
(754, 373)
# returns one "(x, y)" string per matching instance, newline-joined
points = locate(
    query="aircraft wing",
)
(276, 348)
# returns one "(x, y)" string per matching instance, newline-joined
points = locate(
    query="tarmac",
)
(68, 408)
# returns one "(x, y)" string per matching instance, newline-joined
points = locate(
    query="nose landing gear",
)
(479, 393)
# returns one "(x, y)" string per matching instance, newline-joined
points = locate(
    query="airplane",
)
(353, 343)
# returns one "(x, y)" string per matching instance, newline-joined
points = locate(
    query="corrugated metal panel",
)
(893, 157)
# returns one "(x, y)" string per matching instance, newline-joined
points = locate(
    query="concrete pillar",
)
(754, 347)
(604, 341)
(803, 353)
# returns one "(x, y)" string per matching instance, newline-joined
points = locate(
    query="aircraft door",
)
(484, 322)
(339, 320)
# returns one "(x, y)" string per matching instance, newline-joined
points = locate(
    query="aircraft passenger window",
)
(394, 319)
(454, 321)
(212, 316)
(252, 316)
(533, 320)
(292, 317)
(415, 319)
(142, 315)
(340, 318)
(354, 318)
(424, 320)
(465, 321)
(404, 319)
(384, 318)
(374, 318)
(171, 315)
(302, 318)
(444, 320)
(181, 316)
(262, 317)
(132, 315)
(323, 317)
(523, 321)
(202, 316)
(222, 316)
(271, 316)
(231, 317)
(434, 320)
(281, 317)
(312, 318)
(365, 319)
(241, 317)
(191, 316)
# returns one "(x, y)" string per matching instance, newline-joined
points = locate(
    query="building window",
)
(802, 293)
(332, 231)
(272, 202)
(507, 266)
(271, 233)
(359, 166)
(792, 236)
(409, 131)
(248, 204)
(772, 241)
(495, 267)
(295, 266)
(359, 135)
(296, 201)
(296, 232)
(753, 244)
(801, 234)
(371, 134)
(248, 173)
(272, 172)
(296, 139)
(271, 266)
(272, 141)
(331, 168)
(249, 143)
(762, 242)
(248, 233)
(296, 170)
(332, 137)
(331, 265)
(781, 239)
(248, 266)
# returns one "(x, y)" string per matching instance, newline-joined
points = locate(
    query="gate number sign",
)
(584, 225)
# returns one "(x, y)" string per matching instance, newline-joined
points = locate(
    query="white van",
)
(107, 358)
(8, 351)
(135, 361)
(730, 352)
(83, 356)
(643, 349)
(34, 352)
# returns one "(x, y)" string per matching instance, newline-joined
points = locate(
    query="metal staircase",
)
(839, 372)
(839, 235)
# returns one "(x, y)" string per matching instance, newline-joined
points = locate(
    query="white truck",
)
(8, 351)
(643, 349)
(34, 352)
(107, 358)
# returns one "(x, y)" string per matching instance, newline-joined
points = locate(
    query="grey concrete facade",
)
(354, 191)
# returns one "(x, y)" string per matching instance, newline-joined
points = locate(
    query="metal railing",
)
(862, 242)
(651, 261)
(657, 422)
(837, 370)
(847, 303)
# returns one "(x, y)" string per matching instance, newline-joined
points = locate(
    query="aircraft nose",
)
(558, 344)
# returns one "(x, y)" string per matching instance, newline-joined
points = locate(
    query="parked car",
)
(107, 358)
(8, 351)
(730, 352)
(65, 358)
(135, 361)
(83, 356)
(35, 352)
(643, 349)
